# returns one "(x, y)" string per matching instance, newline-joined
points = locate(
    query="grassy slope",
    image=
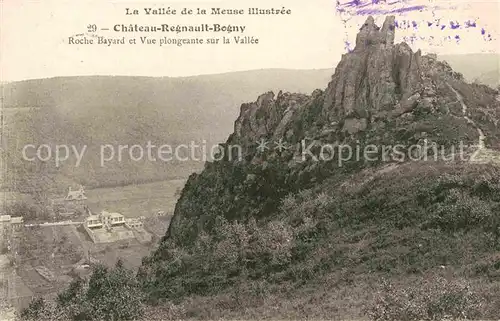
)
(324, 251)
(404, 223)
(136, 200)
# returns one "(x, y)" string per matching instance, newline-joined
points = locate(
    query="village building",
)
(16, 223)
(93, 221)
(77, 197)
(135, 222)
(9, 224)
(112, 219)
(109, 227)
(73, 203)
(105, 219)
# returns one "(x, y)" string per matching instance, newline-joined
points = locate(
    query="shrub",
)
(38, 309)
(108, 295)
(435, 299)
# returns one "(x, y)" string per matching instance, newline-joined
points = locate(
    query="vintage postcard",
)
(249, 160)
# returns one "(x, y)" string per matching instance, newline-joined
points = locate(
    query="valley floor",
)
(61, 250)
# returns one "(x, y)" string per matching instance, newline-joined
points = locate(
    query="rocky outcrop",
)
(380, 93)
(269, 115)
(375, 77)
(377, 81)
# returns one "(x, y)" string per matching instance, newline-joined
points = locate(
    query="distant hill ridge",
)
(97, 110)
(94, 110)
(102, 90)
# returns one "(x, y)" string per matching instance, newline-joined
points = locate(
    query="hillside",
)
(101, 110)
(491, 78)
(95, 111)
(483, 68)
(377, 196)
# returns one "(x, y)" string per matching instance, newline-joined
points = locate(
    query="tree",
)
(39, 309)
(72, 301)
(114, 295)
(109, 294)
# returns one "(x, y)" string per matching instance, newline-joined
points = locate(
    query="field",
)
(9, 198)
(136, 200)
(61, 249)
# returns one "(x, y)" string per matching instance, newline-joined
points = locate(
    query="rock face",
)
(268, 115)
(374, 77)
(289, 207)
(378, 79)
(380, 93)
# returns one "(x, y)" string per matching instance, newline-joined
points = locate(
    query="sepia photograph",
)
(249, 160)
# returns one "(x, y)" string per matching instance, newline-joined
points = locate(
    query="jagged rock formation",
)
(381, 93)
(377, 80)
(281, 214)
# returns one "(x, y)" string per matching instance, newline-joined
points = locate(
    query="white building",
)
(134, 222)
(9, 224)
(108, 227)
(93, 221)
(104, 219)
(112, 219)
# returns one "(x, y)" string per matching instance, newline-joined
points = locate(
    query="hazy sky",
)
(34, 37)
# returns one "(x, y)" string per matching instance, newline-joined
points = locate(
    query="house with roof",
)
(112, 219)
(76, 196)
(105, 219)
(9, 224)
(134, 223)
(74, 202)
(93, 222)
(107, 227)
(17, 223)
